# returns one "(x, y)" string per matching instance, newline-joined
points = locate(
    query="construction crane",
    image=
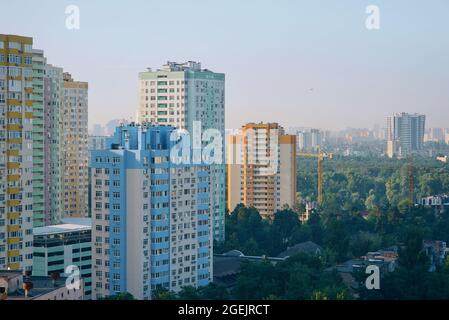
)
(320, 155)
(411, 180)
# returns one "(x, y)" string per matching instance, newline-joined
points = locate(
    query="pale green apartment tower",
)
(180, 94)
(53, 83)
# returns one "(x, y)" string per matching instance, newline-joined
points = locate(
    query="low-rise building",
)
(57, 247)
(16, 286)
(435, 201)
(385, 259)
(442, 158)
(227, 265)
(307, 247)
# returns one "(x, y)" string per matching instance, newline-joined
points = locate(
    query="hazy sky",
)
(300, 63)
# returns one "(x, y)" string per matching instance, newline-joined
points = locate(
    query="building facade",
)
(16, 152)
(309, 140)
(39, 63)
(57, 247)
(405, 134)
(262, 168)
(52, 144)
(181, 94)
(74, 148)
(152, 219)
(97, 142)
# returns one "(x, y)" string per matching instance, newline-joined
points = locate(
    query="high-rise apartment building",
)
(39, 63)
(434, 135)
(151, 217)
(180, 94)
(33, 106)
(405, 134)
(16, 152)
(74, 148)
(309, 140)
(60, 155)
(97, 142)
(262, 168)
(52, 144)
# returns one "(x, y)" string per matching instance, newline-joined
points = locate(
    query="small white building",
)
(435, 201)
(442, 158)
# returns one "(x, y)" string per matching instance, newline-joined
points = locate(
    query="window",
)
(27, 60)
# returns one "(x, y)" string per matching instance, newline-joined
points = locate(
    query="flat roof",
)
(9, 274)
(41, 286)
(81, 221)
(62, 228)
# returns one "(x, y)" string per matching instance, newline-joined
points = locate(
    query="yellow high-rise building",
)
(74, 148)
(262, 168)
(16, 152)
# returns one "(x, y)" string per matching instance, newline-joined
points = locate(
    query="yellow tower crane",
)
(320, 155)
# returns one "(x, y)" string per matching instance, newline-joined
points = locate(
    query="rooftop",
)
(175, 66)
(41, 286)
(10, 274)
(77, 224)
(308, 247)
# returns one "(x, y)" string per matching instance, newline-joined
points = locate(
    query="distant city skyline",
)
(312, 62)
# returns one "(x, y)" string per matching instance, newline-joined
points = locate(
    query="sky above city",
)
(300, 63)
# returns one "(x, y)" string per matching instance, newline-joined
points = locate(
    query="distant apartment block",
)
(179, 94)
(434, 135)
(74, 148)
(97, 142)
(57, 247)
(309, 140)
(405, 134)
(262, 168)
(151, 218)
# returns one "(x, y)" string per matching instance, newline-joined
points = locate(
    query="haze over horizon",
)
(298, 63)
